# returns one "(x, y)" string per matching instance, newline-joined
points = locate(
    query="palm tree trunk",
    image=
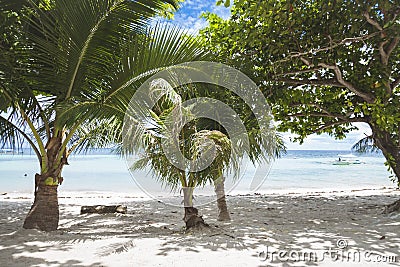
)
(192, 218)
(219, 187)
(44, 213)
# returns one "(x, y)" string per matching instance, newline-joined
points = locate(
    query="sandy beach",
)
(340, 228)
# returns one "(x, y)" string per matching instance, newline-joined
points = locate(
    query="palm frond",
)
(365, 145)
(101, 133)
(216, 146)
(127, 70)
(13, 136)
(71, 42)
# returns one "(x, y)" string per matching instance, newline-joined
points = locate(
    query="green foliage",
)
(198, 140)
(169, 9)
(226, 3)
(68, 69)
(322, 64)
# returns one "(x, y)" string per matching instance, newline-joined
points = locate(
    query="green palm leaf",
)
(140, 57)
(365, 145)
(64, 68)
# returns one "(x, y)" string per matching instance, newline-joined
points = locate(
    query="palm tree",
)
(220, 164)
(75, 68)
(169, 125)
(193, 144)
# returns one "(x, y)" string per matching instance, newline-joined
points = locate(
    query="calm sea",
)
(297, 170)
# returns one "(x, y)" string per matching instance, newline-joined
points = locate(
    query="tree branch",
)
(385, 54)
(330, 82)
(395, 83)
(382, 52)
(325, 113)
(392, 45)
(326, 126)
(345, 83)
(299, 71)
(312, 114)
(330, 113)
(306, 61)
(372, 21)
(330, 47)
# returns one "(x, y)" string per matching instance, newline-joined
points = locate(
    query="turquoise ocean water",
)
(311, 170)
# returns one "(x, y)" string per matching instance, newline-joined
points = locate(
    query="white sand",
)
(151, 234)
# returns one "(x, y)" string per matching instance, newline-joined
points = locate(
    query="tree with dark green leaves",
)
(69, 70)
(324, 65)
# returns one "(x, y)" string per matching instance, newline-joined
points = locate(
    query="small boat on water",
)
(8, 151)
(347, 160)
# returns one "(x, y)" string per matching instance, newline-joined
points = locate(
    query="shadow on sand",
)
(260, 226)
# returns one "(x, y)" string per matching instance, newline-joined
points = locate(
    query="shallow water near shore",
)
(294, 216)
(297, 170)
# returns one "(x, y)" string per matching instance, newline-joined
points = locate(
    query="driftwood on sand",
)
(104, 209)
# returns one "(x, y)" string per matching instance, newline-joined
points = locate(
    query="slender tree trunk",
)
(192, 218)
(223, 213)
(44, 213)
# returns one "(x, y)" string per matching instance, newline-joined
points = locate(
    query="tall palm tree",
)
(72, 73)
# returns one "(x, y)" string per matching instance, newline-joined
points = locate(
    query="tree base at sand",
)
(192, 219)
(44, 213)
(395, 206)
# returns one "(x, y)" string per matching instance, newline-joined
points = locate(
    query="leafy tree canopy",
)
(323, 64)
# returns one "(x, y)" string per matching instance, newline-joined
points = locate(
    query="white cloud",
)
(221, 11)
(326, 142)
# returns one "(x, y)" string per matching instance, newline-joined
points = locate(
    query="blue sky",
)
(190, 11)
(188, 17)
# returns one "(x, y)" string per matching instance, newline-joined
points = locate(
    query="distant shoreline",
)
(112, 195)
